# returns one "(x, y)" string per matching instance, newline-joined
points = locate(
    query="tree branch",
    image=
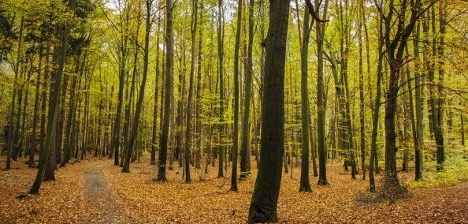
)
(313, 13)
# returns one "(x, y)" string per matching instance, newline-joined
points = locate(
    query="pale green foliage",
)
(455, 169)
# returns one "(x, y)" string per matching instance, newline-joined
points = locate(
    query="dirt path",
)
(98, 195)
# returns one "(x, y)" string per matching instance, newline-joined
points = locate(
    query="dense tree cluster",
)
(204, 83)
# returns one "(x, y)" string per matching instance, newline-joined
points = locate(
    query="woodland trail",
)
(98, 194)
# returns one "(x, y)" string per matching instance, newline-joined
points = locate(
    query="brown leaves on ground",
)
(136, 198)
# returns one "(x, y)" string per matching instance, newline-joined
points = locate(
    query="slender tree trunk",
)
(42, 132)
(361, 94)
(440, 101)
(141, 95)
(220, 38)
(375, 113)
(313, 140)
(462, 121)
(304, 185)
(245, 146)
(123, 54)
(69, 126)
(321, 101)
(34, 141)
(155, 105)
(188, 130)
(418, 159)
(198, 110)
(235, 144)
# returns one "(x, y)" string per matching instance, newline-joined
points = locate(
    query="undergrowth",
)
(455, 169)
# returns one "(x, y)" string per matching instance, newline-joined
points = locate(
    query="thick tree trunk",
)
(263, 207)
(168, 94)
(53, 110)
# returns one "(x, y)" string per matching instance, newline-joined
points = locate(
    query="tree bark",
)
(235, 145)
(53, 110)
(168, 95)
(263, 207)
(304, 185)
(188, 128)
(321, 102)
(245, 146)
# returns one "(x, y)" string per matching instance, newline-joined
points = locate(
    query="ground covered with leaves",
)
(94, 191)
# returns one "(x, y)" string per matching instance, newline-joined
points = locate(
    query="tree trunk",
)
(375, 113)
(245, 146)
(263, 207)
(155, 105)
(141, 95)
(235, 144)
(395, 43)
(418, 159)
(462, 128)
(361, 93)
(304, 185)
(53, 110)
(440, 101)
(321, 101)
(198, 110)
(221, 131)
(168, 95)
(34, 141)
(188, 130)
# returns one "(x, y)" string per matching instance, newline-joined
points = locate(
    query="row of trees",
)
(122, 78)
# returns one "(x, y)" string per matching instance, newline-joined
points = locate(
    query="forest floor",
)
(95, 191)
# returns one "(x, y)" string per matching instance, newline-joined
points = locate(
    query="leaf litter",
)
(136, 198)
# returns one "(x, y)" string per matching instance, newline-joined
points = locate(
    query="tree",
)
(221, 127)
(53, 107)
(304, 183)
(375, 111)
(168, 94)
(188, 130)
(131, 141)
(155, 105)
(396, 32)
(418, 107)
(245, 145)
(235, 145)
(265, 196)
(321, 107)
(122, 60)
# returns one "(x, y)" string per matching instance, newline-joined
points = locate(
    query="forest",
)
(215, 111)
